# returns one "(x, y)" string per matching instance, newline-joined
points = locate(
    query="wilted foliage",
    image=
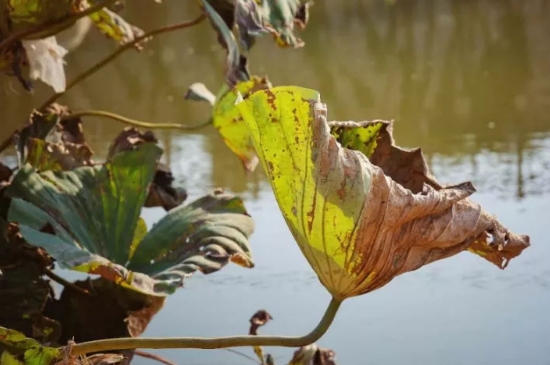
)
(361, 209)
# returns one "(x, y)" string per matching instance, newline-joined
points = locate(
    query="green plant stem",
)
(7, 142)
(118, 52)
(136, 123)
(210, 343)
(58, 24)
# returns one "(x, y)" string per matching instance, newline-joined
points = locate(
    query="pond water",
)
(469, 81)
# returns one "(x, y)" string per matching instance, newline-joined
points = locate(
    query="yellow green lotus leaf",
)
(227, 120)
(357, 137)
(359, 222)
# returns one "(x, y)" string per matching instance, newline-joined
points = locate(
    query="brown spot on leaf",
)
(271, 101)
(311, 214)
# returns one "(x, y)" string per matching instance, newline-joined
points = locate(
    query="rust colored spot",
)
(270, 166)
(311, 214)
(295, 113)
(271, 99)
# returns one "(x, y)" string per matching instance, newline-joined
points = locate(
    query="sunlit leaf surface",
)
(360, 224)
(94, 212)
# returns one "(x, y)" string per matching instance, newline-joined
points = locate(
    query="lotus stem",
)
(118, 52)
(210, 343)
(137, 123)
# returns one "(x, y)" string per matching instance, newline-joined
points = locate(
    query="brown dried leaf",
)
(109, 311)
(313, 355)
(53, 132)
(375, 140)
(259, 319)
(408, 168)
(24, 291)
(57, 156)
(71, 130)
(128, 139)
(96, 359)
(5, 175)
(162, 193)
(138, 320)
(103, 359)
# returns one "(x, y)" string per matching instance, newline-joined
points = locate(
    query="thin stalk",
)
(155, 357)
(58, 24)
(64, 282)
(210, 343)
(118, 52)
(8, 141)
(133, 122)
(254, 360)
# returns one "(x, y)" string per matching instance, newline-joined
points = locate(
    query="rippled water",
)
(469, 81)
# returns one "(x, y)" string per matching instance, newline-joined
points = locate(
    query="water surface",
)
(469, 81)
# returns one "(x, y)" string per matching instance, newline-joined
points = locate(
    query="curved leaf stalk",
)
(211, 343)
(7, 142)
(44, 30)
(136, 123)
(118, 52)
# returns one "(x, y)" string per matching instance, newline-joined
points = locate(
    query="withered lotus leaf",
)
(361, 209)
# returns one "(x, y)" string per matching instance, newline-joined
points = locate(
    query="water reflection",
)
(468, 80)
(460, 79)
